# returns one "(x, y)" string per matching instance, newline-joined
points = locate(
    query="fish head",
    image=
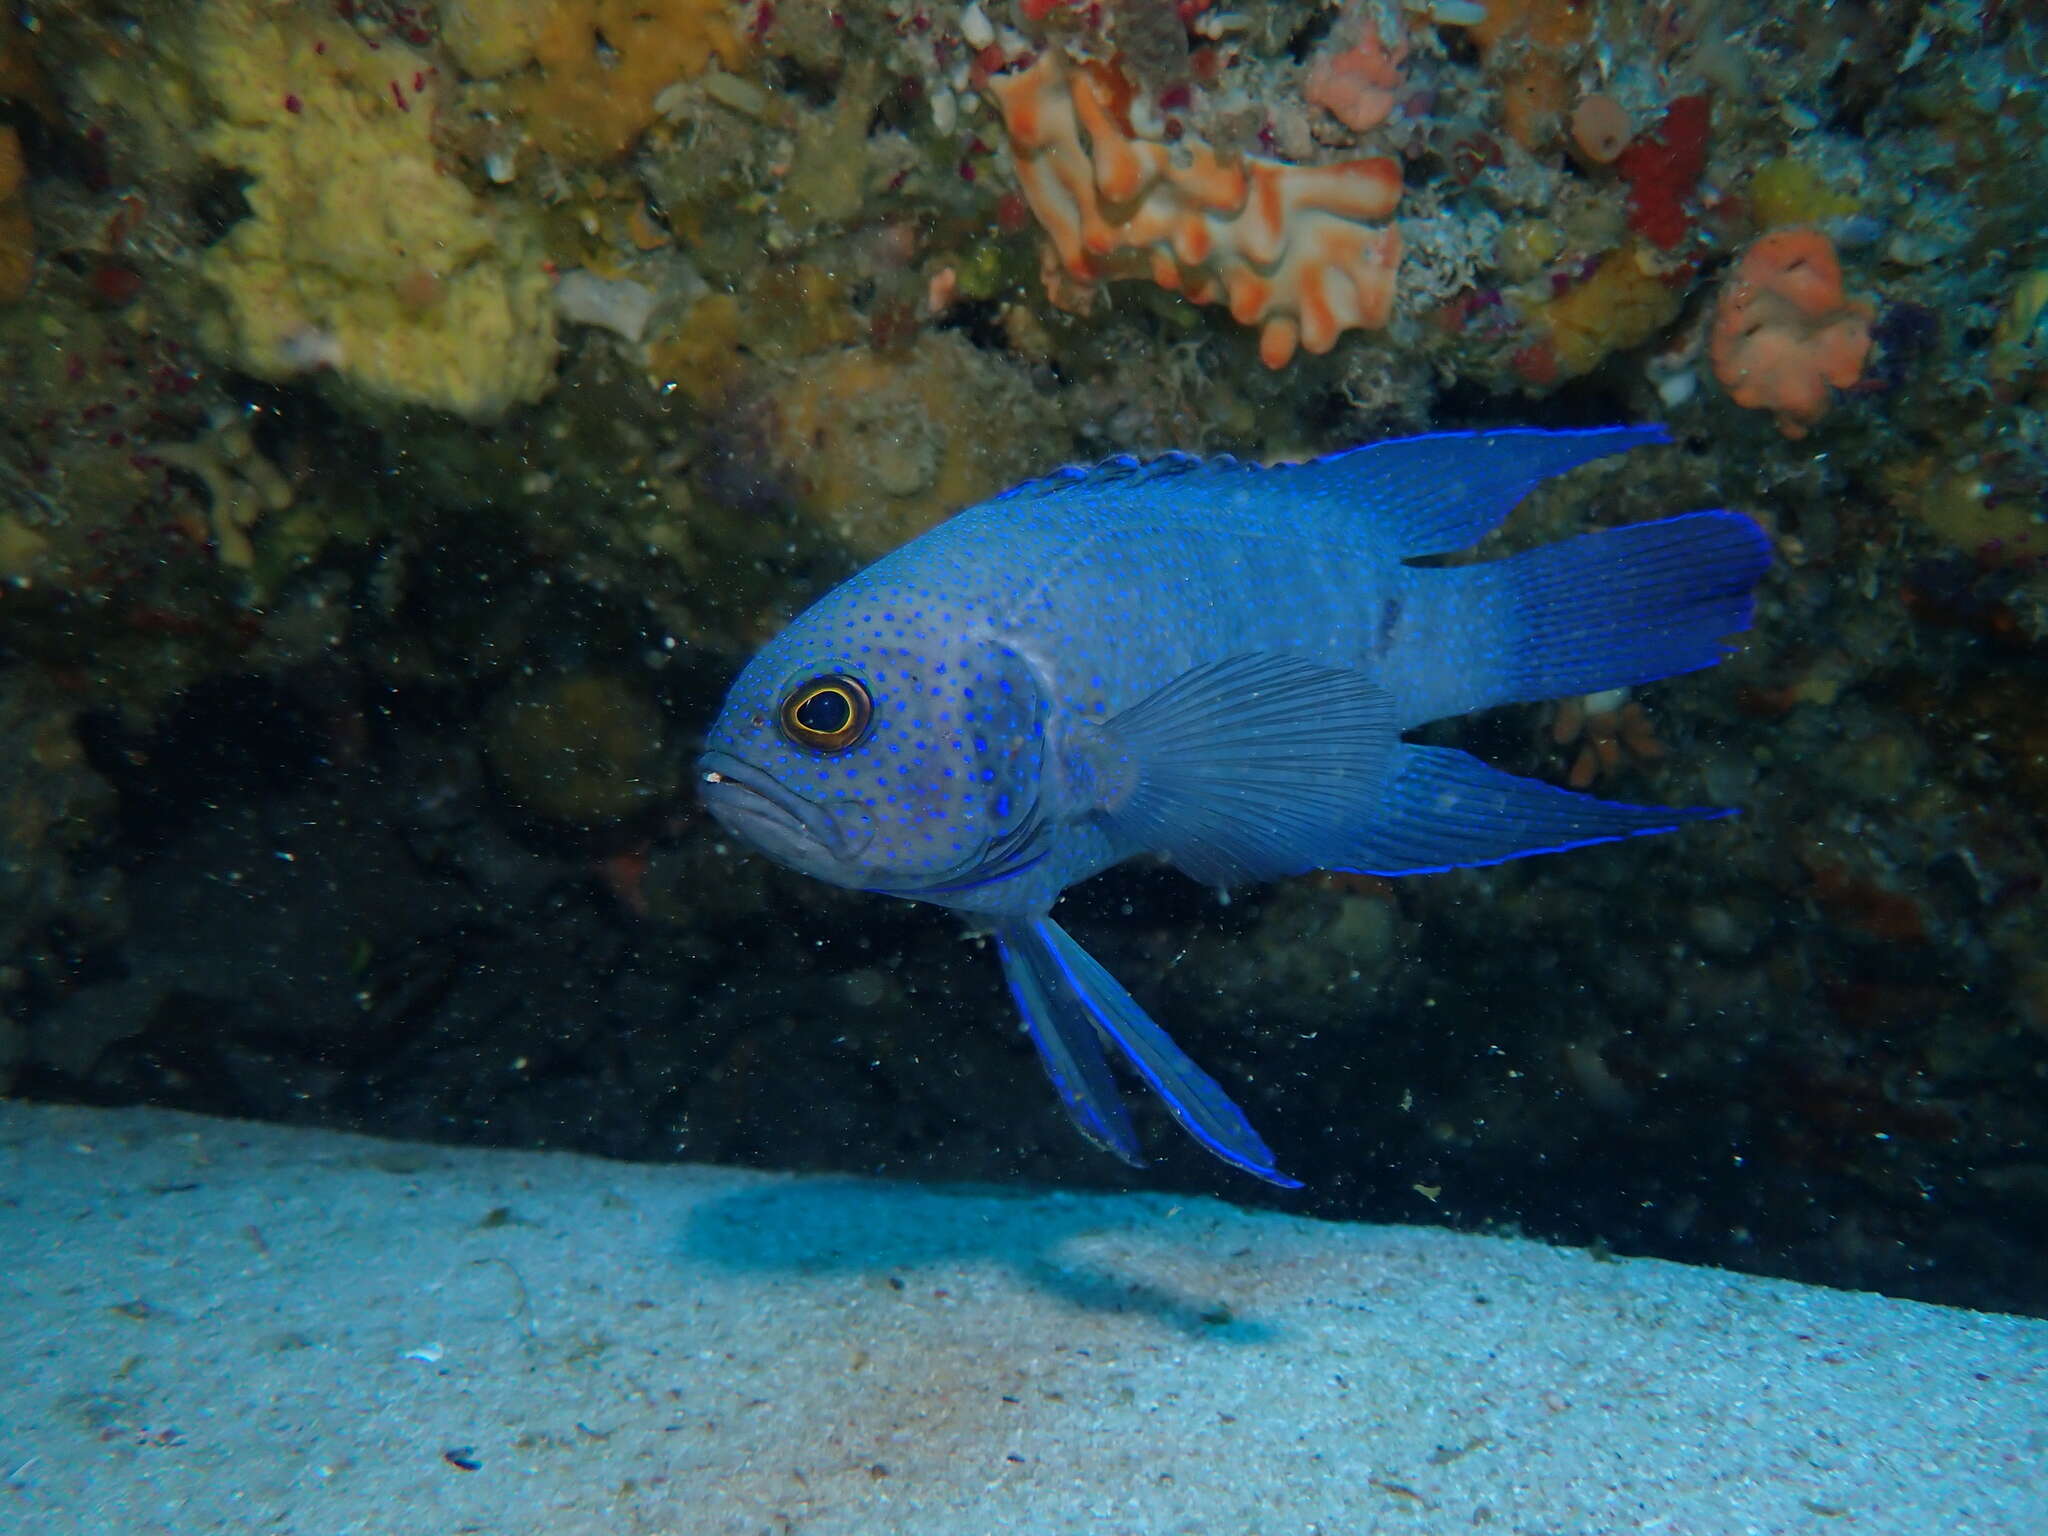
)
(908, 762)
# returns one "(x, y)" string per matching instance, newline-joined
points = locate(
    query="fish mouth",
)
(756, 807)
(746, 799)
(753, 805)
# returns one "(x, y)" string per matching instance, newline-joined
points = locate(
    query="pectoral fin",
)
(1071, 1005)
(1249, 768)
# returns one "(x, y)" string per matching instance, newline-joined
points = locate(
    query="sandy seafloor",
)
(215, 1326)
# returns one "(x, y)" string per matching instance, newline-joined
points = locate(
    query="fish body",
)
(1214, 662)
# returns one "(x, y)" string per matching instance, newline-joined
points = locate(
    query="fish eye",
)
(827, 714)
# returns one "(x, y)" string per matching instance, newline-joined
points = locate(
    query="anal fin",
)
(1444, 809)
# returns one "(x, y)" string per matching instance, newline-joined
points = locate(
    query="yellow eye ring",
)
(828, 713)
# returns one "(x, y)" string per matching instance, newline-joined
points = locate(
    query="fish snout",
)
(813, 836)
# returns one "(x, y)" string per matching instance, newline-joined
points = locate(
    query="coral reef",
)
(2019, 342)
(1607, 729)
(878, 449)
(1601, 128)
(1532, 45)
(581, 77)
(361, 254)
(1661, 167)
(1791, 191)
(1784, 332)
(1304, 253)
(241, 484)
(17, 230)
(1624, 302)
(23, 92)
(1359, 83)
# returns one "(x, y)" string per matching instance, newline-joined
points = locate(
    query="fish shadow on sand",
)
(899, 1231)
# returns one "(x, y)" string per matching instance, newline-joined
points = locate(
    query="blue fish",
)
(1213, 662)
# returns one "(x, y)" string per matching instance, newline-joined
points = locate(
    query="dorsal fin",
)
(1447, 490)
(1433, 494)
(1123, 472)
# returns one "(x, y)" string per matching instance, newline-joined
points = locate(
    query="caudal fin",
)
(1629, 605)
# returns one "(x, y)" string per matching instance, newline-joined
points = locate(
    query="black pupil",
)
(826, 712)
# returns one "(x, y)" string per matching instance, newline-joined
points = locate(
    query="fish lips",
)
(754, 806)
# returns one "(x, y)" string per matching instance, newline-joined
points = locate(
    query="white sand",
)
(210, 1326)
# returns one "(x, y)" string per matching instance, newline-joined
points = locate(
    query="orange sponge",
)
(1303, 252)
(17, 235)
(1784, 334)
(597, 64)
(1358, 86)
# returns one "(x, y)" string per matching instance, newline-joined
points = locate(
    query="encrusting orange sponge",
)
(1303, 252)
(1359, 85)
(17, 234)
(582, 75)
(1784, 332)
